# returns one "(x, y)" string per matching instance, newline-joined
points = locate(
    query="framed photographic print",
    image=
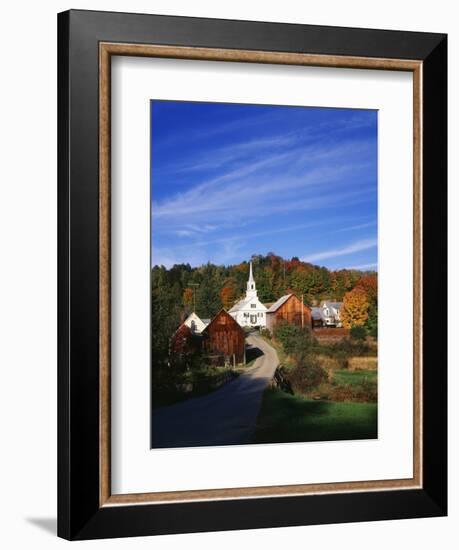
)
(252, 254)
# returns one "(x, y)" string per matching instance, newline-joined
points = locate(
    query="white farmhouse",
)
(249, 312)
(195, 323)
(331, 313)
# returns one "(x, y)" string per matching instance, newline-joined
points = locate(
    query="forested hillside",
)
(208, 288)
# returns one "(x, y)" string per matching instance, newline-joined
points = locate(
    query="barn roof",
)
(223, 311)
(279, 303)
(182, 328)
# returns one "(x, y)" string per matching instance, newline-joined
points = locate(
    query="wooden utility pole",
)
(194, 285)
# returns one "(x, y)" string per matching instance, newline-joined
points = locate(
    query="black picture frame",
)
(80, 515)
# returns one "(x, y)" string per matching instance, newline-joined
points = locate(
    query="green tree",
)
(165, 316)
(358, 333)
(208, 301)
(372, 322)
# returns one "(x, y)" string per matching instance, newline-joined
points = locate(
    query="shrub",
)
(372, 322)
(266, 333)
(358, 333)
(352, 347)
(307, 374)
(342, 357)
(294, 339)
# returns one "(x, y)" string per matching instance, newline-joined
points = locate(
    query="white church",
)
(249, 312)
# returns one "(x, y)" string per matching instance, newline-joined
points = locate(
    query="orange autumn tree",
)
(227, 296)
(369, 283)
(354, 312)
(187, 296)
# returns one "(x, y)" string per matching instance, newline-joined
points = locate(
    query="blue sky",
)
(232, 180)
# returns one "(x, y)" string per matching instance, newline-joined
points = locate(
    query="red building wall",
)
(224, 336)
(290, 312)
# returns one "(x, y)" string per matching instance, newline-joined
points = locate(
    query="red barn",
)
(289, 309)
(224, 336)
(183, 341)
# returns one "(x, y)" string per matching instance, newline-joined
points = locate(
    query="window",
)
(253, 305)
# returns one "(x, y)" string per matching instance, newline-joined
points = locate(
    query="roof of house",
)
(245, 302)
(191, 316)
(279, 303)
(316, 313)
(335, 305)
(195, 322)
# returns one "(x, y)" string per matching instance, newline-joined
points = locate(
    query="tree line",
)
(177, 291)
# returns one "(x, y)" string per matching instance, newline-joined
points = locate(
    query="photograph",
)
(264, 274)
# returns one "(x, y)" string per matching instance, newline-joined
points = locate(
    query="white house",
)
(249, 312)
(195, 323)
(331, 313)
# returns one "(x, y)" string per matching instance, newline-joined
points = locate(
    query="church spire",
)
(251, 274)
(251, 289)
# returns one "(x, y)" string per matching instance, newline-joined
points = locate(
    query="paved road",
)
(226, 416)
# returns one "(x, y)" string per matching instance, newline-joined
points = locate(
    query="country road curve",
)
(226, 416)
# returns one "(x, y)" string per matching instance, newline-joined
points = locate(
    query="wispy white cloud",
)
(190, 230)
(357, 246)
(254, 187)
(198, 254)
(363, 267)
(230, 154)
(354, 227)
(204, 228)
(240, 236)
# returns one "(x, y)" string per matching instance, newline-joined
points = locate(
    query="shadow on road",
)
(252, 353)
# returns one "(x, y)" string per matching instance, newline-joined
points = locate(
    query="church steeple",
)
(251, 289)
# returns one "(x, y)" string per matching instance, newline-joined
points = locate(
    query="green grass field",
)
(354, 378)
(286, 418)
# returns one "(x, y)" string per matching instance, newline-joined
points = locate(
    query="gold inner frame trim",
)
(106, 51)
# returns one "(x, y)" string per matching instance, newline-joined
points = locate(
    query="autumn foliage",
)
(354, 312)
(228, 296)
(187, 296)
(369, 283)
